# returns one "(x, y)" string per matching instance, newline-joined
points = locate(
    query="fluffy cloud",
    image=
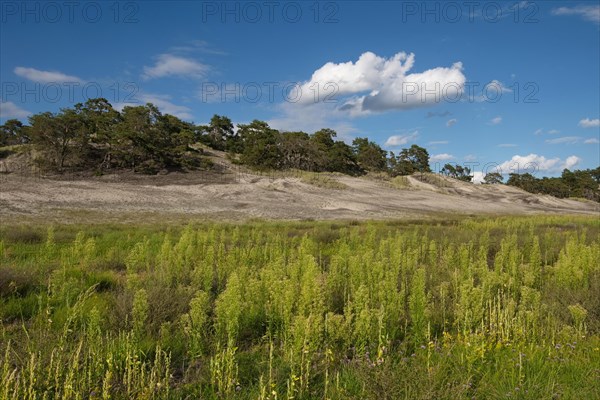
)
(172, 65)
(588, 12)
(400, 140)
(451, 122)
(39, 76)
(376, 84)
(9, 109)
(564, 140)
(441, 157)
(478, 177)
(589, 123)
(533, 163)
(496, 121)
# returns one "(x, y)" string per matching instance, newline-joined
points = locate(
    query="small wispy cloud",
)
(496, 120)
(40, 76)
(564, 140)
(8, 109)
(507, 145)
(432, 114)
(173, 65)
(587, 12)
(441, 157)
(591, 141)
(400, 140)
(543, 132)
(436, 142)
(589, 123)
(196, 46)
(451, 122)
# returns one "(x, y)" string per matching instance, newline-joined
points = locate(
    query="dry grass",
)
(400, 182)
(322, 181)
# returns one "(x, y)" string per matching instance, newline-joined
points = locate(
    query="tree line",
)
(578, 183)
(93, 136)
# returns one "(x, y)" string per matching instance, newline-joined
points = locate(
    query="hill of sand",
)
(228, 193)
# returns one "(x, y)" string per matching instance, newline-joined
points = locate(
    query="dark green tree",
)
(298, 151)
(14, 132)
(342, 159)
(260, 145)
(457, 172)
(220, 133)
(99, 122)
(412, 160)
(369, 155)
(493, 178)
(59, 137)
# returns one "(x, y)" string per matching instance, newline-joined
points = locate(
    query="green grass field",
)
(479, 308)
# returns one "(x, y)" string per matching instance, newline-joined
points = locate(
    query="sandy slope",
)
(121, 198)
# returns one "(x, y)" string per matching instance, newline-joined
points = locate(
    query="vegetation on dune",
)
(579, 184)
(95, 137)
(322, 181)
(445, 309)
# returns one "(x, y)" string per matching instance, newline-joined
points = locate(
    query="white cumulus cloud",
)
(534, 163)
(39, 76)
(478, 177)
(375, 84)
(172, 65)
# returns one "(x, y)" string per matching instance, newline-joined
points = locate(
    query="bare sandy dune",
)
(128, 198)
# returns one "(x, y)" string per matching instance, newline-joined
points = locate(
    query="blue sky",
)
(491, 83)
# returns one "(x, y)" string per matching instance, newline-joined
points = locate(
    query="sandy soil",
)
(230, 195)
